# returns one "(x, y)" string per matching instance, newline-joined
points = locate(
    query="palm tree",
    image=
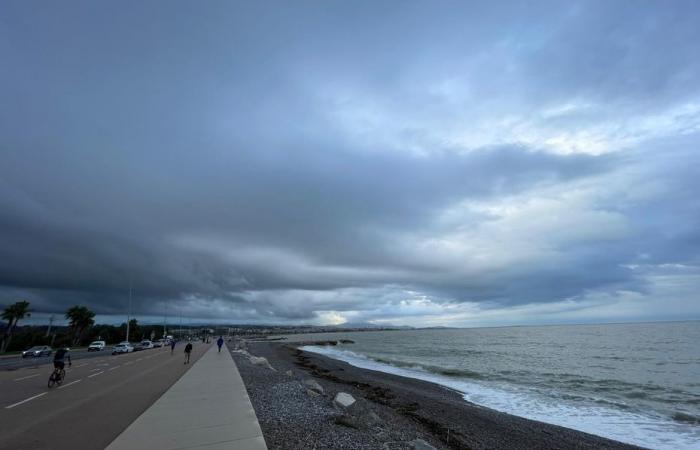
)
(13, 314)
(80, 319)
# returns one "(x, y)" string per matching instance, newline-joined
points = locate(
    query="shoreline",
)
(391, 412)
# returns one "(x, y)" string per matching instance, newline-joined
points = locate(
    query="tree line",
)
(81, 328)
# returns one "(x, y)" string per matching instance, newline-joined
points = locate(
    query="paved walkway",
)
(208, 408)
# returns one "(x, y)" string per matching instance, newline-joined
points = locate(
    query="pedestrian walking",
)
(220, 342)
(188, 350)
(172, 346)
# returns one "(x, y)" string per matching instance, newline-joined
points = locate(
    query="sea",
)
(635, 383)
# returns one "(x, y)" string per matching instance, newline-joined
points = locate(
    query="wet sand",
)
(391, 412)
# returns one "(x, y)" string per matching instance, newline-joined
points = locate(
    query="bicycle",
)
(57, 377)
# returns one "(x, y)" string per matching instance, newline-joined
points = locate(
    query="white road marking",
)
(72, 382)
(127, 363)
(29, 376)
(25, 400)
(95, 374)
(112, 368)
(138, 360)
(81, 365)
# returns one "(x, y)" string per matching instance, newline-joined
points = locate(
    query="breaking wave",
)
(606, 417)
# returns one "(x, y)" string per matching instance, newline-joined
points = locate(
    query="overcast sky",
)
(407, 162)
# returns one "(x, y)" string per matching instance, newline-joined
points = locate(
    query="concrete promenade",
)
(208, 408)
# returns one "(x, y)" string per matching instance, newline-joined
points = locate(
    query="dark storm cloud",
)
(274, 162)
(63, 234)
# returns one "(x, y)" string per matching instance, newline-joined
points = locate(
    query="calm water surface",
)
(637, 383)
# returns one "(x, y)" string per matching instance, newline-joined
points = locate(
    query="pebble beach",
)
(296, 398)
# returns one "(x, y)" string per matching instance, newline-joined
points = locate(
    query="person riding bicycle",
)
(60, 357)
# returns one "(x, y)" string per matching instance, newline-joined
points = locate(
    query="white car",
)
(146, 344)
(97, 346)
(122, 347)
(159, 343)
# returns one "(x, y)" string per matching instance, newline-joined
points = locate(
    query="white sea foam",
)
(634, 428)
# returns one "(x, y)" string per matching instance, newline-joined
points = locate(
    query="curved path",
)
(208, 409)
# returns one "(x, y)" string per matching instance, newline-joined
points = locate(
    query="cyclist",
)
(60, 357)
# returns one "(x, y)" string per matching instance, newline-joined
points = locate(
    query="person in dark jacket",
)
(60, 357)
(220, 342)
(188, 350)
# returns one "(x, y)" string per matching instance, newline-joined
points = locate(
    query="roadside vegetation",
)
(81, 329)
(13, 314)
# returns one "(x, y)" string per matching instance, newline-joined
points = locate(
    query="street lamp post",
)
(128, 317)
(48, 331)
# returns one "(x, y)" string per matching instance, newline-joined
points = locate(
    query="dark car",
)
(35, 352)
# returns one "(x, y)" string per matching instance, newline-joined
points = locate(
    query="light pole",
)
(165, 318)
(128, 317)
(48, 330)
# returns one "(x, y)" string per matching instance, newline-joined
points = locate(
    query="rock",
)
(312, 393)
(348, 421)
(260, 361)
(289, 373)
(343, 400)
(420, 444)
(304, 343)
(364, 419)
(313, 385)
(373, 418)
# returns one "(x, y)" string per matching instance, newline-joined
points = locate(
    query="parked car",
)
(97, 346)
(37, 351)
(159, 343)
(146, 344)
(122, 347)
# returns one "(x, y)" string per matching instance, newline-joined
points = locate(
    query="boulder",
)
(260, 361)
(348, 421)
(373, 419)
(313, 385)
(420, 444)
(311, 393)
(343, 400)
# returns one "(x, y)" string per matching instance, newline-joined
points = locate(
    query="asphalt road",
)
(17, 362)
(99, 398)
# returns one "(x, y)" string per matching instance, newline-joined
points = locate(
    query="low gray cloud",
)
(256, 163)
